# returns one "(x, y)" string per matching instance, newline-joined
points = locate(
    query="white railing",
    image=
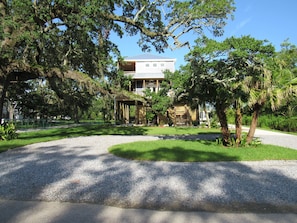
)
(139, 91)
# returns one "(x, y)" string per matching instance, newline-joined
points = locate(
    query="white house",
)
(147, 71)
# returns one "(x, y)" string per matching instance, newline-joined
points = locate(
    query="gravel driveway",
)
(277, 138)
(81, 170)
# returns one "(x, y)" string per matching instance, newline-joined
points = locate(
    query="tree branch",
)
(138, 13)
(136, 24)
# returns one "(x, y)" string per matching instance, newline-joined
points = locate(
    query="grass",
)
(199, 151)
(30, 137)
(167, 150)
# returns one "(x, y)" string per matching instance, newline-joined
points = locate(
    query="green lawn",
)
(199, 151)
(169, 150)
(30, 137)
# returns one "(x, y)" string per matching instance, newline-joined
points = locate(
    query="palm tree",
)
(259, 87)
(272, 82)
(248, 56)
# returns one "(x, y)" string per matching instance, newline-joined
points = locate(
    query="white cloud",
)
(243, 23)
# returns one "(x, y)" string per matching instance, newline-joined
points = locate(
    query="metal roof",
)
(148, 57)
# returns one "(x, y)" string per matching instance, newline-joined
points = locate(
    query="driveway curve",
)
(277, 138)
(81, 170)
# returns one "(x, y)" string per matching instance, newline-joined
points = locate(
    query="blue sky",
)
(273, 20)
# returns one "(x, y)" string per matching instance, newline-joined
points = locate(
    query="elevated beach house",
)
(147, 71)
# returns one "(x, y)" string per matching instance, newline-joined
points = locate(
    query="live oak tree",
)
(59, 39)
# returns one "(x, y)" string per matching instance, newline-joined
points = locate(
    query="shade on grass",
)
(170, 150)
(30, 137)
(199, 151)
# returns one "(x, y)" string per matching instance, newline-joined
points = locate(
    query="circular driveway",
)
(277, 138)
(81, 170)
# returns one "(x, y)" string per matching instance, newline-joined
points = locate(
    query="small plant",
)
(243, 143)
(214, 121)
(8, 131)
(255, 142)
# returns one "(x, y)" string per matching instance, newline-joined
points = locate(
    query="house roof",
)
(147, 57)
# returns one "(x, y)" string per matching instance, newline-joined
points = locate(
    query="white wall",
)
(154, 66)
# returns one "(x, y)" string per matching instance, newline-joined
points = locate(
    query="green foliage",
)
(287, 124)
(150, 115)
(102, 106)
(71, 39)
(8, 131)
(239, 143)
(73, 98)
(240, 71)
(277, 122)
(246, 120)
(35, 98)
(159, 101)
(214, 121)
(254, 143)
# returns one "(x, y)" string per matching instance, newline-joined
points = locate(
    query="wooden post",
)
(136, 113)
(128, 113)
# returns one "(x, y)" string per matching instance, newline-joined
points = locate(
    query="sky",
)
(272, 20)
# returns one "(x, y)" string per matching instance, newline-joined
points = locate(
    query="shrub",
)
(8, 131)
(214, 121)
(288, 124)
(246, 120)
(243, 143)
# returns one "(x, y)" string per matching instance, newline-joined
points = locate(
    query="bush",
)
(246, 120)
(214, 121)
(8, 131)
(243, 143)
(264, 121)
(288, 124)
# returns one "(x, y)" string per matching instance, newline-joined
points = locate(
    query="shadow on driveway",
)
(80, 170)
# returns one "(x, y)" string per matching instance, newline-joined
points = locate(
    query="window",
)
(138, 84)
(147, 64)
(154, 65)
(162, 65)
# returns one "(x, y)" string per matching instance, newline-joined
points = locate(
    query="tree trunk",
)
(10, 108)
(254, 122)
(3, 90)
(75, 114)
(2, 97)
(198, 115)
(238, 125)
(224, 125)
(206, 116)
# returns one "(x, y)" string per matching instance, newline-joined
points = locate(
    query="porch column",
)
(136, 113)
(127, 113)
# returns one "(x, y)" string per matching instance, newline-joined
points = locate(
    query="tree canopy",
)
(70, 39)
(237, 72)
